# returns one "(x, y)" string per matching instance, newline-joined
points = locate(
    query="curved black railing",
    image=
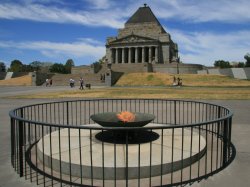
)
(54, 143)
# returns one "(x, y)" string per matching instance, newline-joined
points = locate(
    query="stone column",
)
(111, 55)
(142, 55)
(123, 55)
(136, 54)
(156, 55)
(150, 54)
(116, 55)
(129, 55)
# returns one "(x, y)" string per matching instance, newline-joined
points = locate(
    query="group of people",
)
(177, 81)
(48, 82)
(72, 83)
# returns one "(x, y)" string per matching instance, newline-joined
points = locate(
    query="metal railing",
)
(54, 144)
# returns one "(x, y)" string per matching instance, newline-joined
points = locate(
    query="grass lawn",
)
(163, 79)
(158, 85)
(151, 92)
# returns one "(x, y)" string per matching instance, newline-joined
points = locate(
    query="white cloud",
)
(113, 14)
(206, 47)
(42, 13)
(91, 41)
(194, 47)
(203, 10)
(100, 4)
(53, 49)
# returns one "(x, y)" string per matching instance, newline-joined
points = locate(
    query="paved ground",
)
(237, 174)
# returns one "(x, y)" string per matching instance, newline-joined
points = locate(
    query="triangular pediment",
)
(133, 39)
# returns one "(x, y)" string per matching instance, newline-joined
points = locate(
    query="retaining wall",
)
(130, 68)
(238, 73)
(174, 69)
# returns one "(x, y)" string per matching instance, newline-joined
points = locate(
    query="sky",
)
(57, 30)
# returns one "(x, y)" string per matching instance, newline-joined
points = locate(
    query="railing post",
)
(225, 141)
(67, 110)
(218, 123)
(229, 134)
(175, 112)
(20, 129)
(12, 128)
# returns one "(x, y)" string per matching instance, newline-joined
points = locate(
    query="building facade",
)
(142, 40)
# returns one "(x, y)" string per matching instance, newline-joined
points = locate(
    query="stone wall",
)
(166, 54)
(247, 72)
(239, 73)
(151, 30)
(39, 78)
(130, 68)
(111, 77)
(182, 68)
(214, 71)
(145, 67)
(227, 72)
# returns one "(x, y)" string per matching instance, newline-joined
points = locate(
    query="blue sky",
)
(56, 30)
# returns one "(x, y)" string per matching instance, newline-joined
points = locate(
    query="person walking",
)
(81, 84)
(50, 82)
(47, 82)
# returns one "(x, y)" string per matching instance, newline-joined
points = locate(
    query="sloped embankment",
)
(25, 80)
(163, 79)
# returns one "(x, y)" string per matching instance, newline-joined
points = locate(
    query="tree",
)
(16, 66)
(41, 66)
(36, 65)
(247, 57)
(68, 65)
(28, 68)
(2, 67)
(241, 65)
(222, 64)
(58, 68)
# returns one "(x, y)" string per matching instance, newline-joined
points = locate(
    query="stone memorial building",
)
(142, 45)
(143, 39)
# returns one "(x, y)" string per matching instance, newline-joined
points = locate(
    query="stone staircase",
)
(63, 79)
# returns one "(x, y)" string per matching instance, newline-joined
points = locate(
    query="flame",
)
(126, 116)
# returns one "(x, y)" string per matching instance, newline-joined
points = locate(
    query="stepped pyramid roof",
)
(143, 15)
